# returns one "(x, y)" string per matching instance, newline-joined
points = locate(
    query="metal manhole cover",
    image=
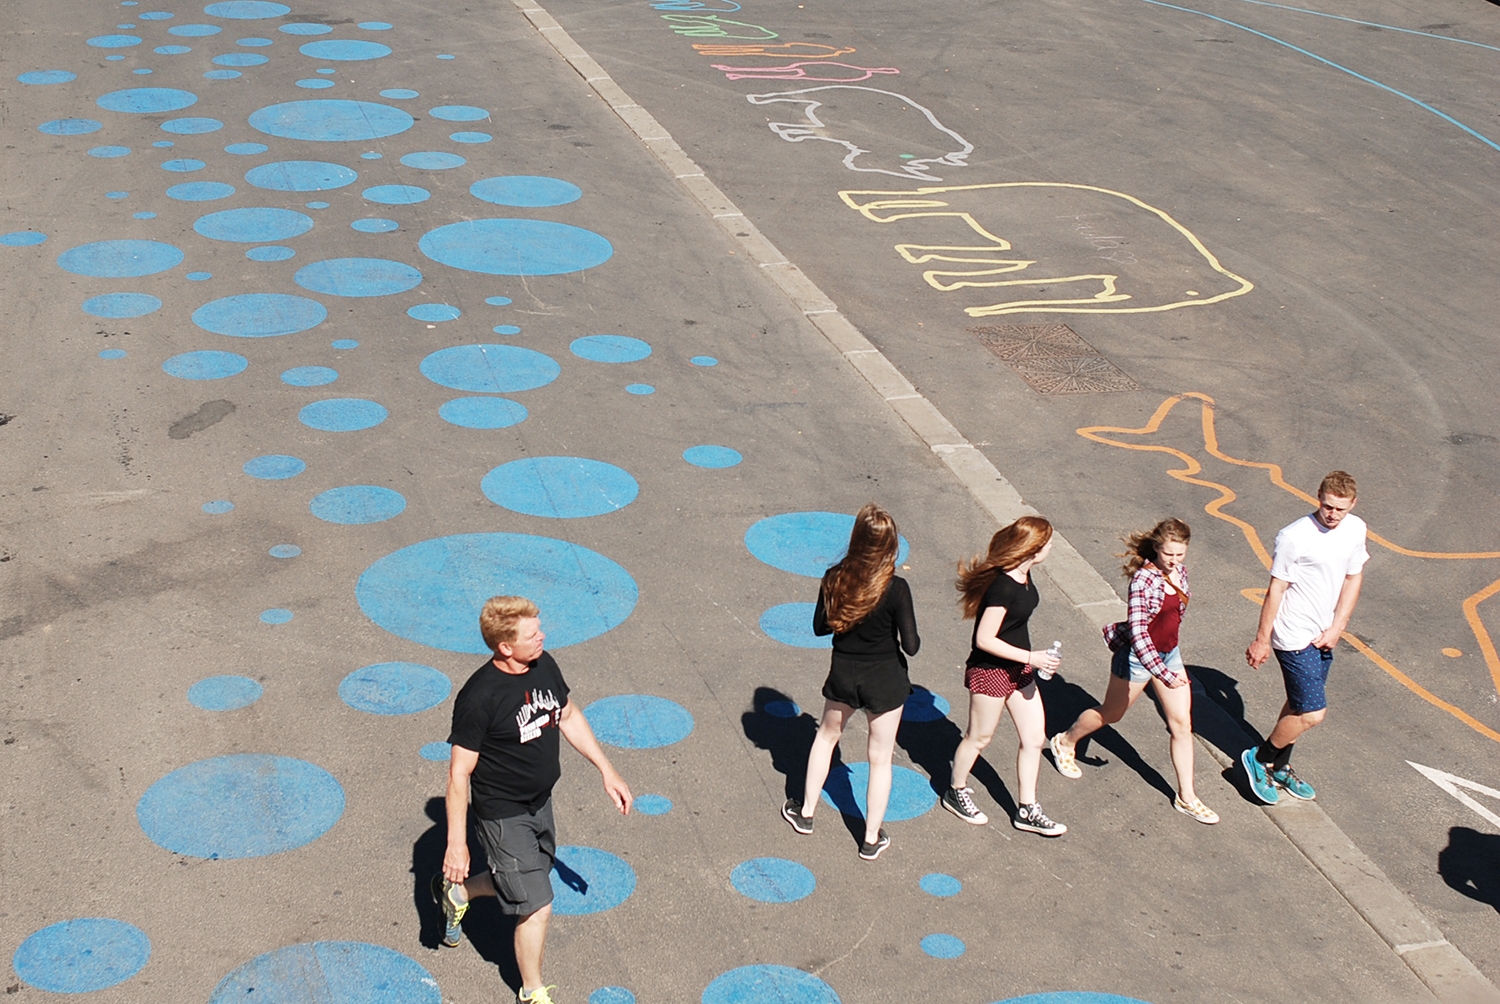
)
(1054, 359)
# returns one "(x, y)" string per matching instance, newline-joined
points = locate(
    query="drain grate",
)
(1053, 359)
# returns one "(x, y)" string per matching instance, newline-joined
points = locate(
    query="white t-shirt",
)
(1315, 560)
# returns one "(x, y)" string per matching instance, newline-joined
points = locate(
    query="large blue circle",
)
(260, 315)
(712, 457)
(482, 412)
(274, 467)
(773, 880)
(791, 624)
(610, 348)
(224, 693)
(431, 592)
(129, 259)
(331, 120)
(342, 414)
(301, 176)
(639, 721)
(805, 543)
(253, 225)
(357, 504)
(358, 277)
(394, 688)
(525, 191)
(766, 984)
(246, 10)
(490, 369)
(243, 805)
(349, 972)
(147, 100)
(80, 955)
(560, 487)
(205, 364)
(911, 793)
(344, 50)
(515, 247)
(588, 880)
(121, 305)
(943, 946)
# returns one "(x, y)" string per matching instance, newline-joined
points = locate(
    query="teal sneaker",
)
(1260, 781)
(453, 910)
(1287, 780)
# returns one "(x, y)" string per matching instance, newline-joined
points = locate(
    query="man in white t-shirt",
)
(1316, 571)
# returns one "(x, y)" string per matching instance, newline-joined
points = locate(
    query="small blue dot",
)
(610, 348)
(222, 74)
(141, 72)
(224, 693)
(375, 26)
(276, 615)
(497, 301)
(375, 225)
(711, 456)
(560, 487)
(117, 195)
(611, 995)
(434, 312)
(316, 205)
(371, 155)
(309, 376)
(144, 216)
(270, 253)
(317, 84)
(254, 42)
(285, 551)
(162, 144)
(355, 505)
(246, 149)
(639, 388)
(704, 361)
(639, 721)
(938, 884)
(652, 805)
(218, 508)
(327, 70)
(470, 137)
(482, 412)
(436, 752)
(446, 56)
(199, 276)
(112, 354)
(773, 880)
(274, 467)
(942, 946)
(507, 329)
(22, 238)
(782, 709)
(399, 93)
(344, 343)
(342, 414)
(394, 688)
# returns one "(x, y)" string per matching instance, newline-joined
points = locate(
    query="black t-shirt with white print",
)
(511, 721)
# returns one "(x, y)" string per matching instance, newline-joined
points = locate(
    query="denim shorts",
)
(1306, 673)
(1127, 667)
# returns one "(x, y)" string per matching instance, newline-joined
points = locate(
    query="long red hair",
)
(853, 587)
(1010, 546)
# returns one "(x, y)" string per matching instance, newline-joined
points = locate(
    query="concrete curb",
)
(1437, 963)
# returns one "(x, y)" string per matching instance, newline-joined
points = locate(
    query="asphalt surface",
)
(1359, 218)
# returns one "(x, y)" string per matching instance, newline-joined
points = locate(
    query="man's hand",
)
(618, 791)
(456, 863)
(1327, 639)
(1258, 652)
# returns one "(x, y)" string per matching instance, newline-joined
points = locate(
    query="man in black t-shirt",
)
(506, 724)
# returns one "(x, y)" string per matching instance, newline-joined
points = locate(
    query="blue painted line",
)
(940, 885)
(82, 955)
(1337, 66)
(639, 721)
(394, 688)
(224, 693)
(560, 487)
(1372, 24)
(348, 972)
(911, 793)
(354, 505)
(773, 880)
(588, 880)
(943, 946)
(791, 624)
(764, 984)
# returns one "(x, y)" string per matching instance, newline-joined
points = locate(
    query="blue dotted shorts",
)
(1306, 674)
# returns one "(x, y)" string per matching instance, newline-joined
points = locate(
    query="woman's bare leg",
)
(878, 794)
(984, 718)
(830, 730)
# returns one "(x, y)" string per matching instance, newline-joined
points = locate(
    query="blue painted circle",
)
(344, 343)
(301, 176)
(482, 412)
(490, 369)
(246, 10)
(652, 805)
(183, 165)
(254, 41)
(200, 191)
(639, 721)
(942, 946)
(470, 137)
(156, 15)
(1072, 997)
(773, 880)
(588, 880)
(272, 253)
(358, 277)
(348, 972)
(117, 195)
(114, 41)
(218, 508)
(260, 315)
(459, 113)
(925, 706)
(368, 154)
(610, 348)
(431, 592)
(704, 361)
(147, 100)
(640, 389)
(559, 487)
(22, 238)
(80, 955)
(766, 984)
(526, 190)
(399, 93)
(128, 259)
(222, 74)
(316, 84)
(911, 793)
(443, 55)
(805, 543)
(357, 504)
(330, 120)
(70, 127)
(940, 885)
(224, 693)
(253, 224)
(434, 312)
(438, 751)
(274, 467)
(498, 301)
(121, 305)
(172, 50)
(342, 414)
(791, 624)
(394, 688)
(433, 160)
(611, 995)
(344, 50)
(782, 709)
(244, 805)
(316, 205)
(397, 195)
(376, 25)
(309, 376)
(112, 353)
(163, 144)
(325, 69)
(194, 30)
(109, 152)
(375, 225)
(506, 329)
(43, 77)
(284, 551)
(205, 364)
(305, 28)
(240, 59)
(711, 456)
(246, 149)
(191, 126)
(276, 615)
(142, 71)
(515, 247)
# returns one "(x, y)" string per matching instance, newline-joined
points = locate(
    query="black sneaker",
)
(1032, 819)
(872, 851)
(960, 802)
(792, 813)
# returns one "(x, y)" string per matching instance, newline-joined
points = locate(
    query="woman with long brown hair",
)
(997, 591)
(867, 608)
(1146, 651)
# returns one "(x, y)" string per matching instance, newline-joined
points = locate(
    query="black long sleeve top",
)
(887, 630)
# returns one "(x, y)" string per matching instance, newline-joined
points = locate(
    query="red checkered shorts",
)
(997, 682)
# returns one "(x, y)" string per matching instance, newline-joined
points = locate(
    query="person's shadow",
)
(775, 723)
(930, 738)
(1470, 864)
(491, 932)
(1065, 701)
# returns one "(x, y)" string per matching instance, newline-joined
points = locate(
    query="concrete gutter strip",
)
(1445, 970)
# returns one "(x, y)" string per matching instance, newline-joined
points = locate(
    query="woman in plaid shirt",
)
(1146, 651)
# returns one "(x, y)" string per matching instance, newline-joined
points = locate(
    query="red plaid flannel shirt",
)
(1148, 591)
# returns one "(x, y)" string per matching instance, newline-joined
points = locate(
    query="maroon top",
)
(1163, 627)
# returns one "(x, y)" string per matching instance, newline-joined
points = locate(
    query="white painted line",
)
(1451, 783)
(1403, 949)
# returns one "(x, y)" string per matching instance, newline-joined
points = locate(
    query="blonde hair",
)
(853, 587)
(501, 614)
(1010, 546)
(1143, 547)
(1339, 484)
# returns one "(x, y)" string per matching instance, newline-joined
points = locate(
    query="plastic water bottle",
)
(1056, 652)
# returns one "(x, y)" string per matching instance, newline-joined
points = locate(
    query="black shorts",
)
(520, 851)
(876, 686)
